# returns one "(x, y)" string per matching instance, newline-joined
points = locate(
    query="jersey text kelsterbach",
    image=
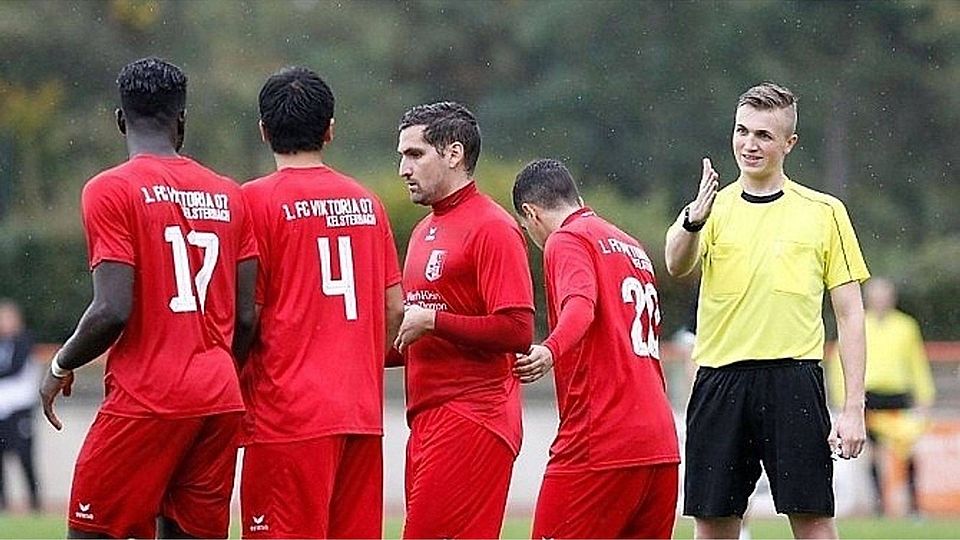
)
(193, 204)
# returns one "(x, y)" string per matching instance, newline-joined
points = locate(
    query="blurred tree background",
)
(629, 94)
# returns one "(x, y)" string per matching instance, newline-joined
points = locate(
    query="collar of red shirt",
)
(453, 200)
(585, 211)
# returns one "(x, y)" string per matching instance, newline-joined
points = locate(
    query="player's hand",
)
(533, 365)
(417, 321)
(49, 388)
(848, 434)
(709, 183)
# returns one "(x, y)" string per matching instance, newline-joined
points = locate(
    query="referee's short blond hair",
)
(771, 96)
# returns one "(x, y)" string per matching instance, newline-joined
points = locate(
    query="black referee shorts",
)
(769, 412)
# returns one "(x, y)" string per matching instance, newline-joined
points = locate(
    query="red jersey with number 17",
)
(468, 257)
(183, 228)
(327, 258)
(613, 405)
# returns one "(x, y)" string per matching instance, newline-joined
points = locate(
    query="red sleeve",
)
(248, 241)
(570, 269)
(508, 330)
(259, 230)
(503, 272)
(393, 274)
(106, 219)
(575, 318)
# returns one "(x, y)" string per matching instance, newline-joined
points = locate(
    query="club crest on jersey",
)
(431, 235)
(435, 264)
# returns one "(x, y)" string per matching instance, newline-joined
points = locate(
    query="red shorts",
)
(457, 477)
(632, 502)
(131, 470)
(328, 487)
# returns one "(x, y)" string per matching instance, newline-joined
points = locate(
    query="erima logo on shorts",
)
(84, 512)
(435, 264)
(258, 523)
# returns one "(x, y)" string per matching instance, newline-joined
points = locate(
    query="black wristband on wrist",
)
(688, 225)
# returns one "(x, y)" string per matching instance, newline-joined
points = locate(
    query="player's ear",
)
(264, 136)
(454, 154)
(328, 134)
(529, 211)
(791, 142)
(121, 121)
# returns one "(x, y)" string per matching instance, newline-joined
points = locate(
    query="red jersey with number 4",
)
(467, 257)
(183, 228)
(327, 257)
(611, 394)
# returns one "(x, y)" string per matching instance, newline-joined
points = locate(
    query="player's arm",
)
(848, 434)
(575, 318)
(394, 310)
(503, 331)
(924, 390)
(99, 327)
(683, 243)
(246, 311)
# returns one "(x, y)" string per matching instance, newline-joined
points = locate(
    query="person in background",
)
(899, 384)
(18, 398)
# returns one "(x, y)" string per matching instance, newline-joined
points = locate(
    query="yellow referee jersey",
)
(896, 360)
(765, 264)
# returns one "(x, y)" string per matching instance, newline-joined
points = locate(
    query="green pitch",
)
(52, 526)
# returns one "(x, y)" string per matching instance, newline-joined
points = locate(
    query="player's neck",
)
(455, 184)
(299, 160)
(553, 220)
(153, 143)
(762, 185)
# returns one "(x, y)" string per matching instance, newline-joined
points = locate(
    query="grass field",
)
(52, 526)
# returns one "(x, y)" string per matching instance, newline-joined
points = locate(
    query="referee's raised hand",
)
(709, 183)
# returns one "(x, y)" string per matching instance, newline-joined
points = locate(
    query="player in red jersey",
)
(174, 266)
(330, 299)
(613, 466)
(469, 308)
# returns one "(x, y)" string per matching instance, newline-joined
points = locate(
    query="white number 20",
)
(185, 300)
(644, 297)
(345, 286)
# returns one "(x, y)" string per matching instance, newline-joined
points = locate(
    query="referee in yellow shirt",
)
(768, 248)
(899, 384)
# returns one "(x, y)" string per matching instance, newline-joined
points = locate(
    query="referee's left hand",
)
(848, 434)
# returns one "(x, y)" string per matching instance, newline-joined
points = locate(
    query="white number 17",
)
(185, 300)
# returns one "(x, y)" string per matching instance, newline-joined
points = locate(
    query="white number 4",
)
(185, 300)
(644, 297)
(345, 286)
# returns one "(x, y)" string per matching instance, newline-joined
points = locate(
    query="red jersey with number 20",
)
(467, 257)
(327, 258)
(613, 406)
(183, 228)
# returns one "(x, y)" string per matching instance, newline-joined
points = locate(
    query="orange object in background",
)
(937, 456)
